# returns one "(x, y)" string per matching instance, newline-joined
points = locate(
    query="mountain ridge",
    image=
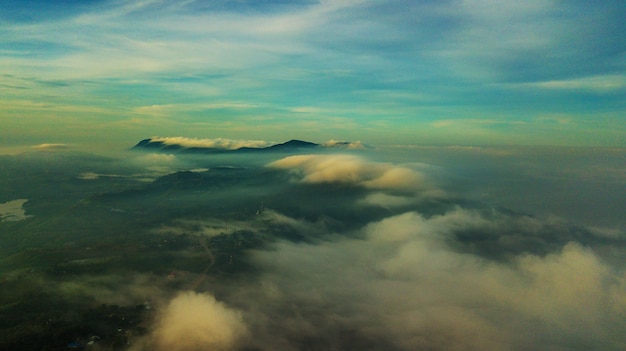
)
(229, 146)
(155, 144)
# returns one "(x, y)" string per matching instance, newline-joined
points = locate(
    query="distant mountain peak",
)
(221, 145)
(187, 145)
(294, 143)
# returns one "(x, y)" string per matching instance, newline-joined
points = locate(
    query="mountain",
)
(165, 145)
(293, 144)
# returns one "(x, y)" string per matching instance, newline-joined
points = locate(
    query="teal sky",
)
(421, 72)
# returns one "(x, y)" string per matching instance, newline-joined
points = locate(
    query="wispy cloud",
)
(173, 109)
(408, 63)
(594, 84)
(51, 146)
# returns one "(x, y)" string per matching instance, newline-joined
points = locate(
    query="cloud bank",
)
(352, 170)
(405, 286)
(217, 143)
(347, 255)
(413, 282)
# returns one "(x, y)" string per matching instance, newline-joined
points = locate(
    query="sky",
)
(101, 73)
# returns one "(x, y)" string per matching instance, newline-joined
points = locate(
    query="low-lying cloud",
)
(265, 221)
(51, 147)
(386, 200)
(193, 321)
(114, 289)
(217, 143)
(12, 211)
(352, 170)
(347, 255)
(350, 145)
(404, 286)
(410, 282)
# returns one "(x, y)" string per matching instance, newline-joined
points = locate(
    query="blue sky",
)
(384, 72)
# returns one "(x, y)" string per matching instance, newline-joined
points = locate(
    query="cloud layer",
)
(352, 170)
(313, 252)
(218, 143)
(410, 282)
(405, 287)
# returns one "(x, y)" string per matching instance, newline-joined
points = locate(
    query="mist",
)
(344, 248)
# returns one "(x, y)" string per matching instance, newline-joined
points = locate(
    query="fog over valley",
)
(241, 245)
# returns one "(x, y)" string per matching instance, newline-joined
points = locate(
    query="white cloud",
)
(206, 227)
(595, 83)
(156, 158)
(404, 284)
(94, 175)
(156, 164)
(386, 200)
(48, 147)
(173, 109)
(471, 122)
(611, 233)
(350, 145)
(13, 211)
(89, 176)
(193, 321)
(352, 170)
(218, 143)
(261, 224)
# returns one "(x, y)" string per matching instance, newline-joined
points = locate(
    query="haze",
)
(312, 175)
